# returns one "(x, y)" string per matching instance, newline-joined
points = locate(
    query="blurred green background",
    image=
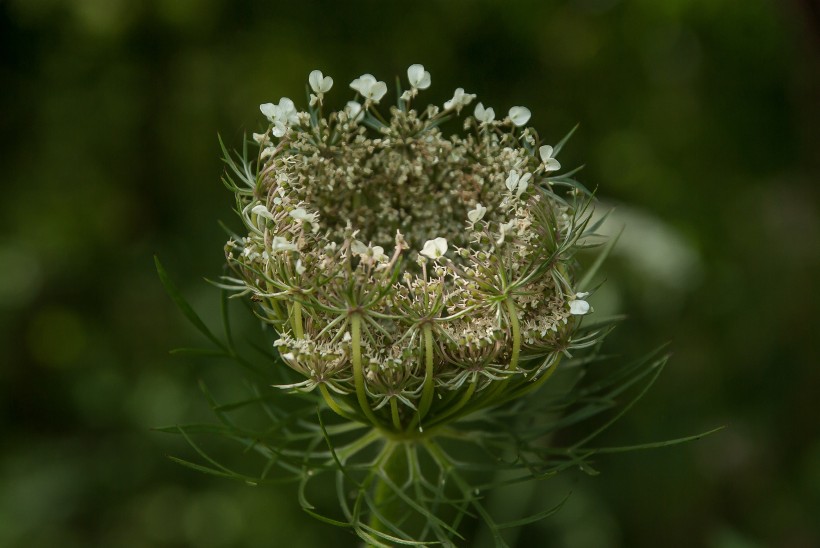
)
(700, 122)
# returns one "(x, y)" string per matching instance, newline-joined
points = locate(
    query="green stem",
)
(439, 418)
(354, 447)
(358, 374)
(331, 402)
(428, 389)
(391, 463)
(516, 333)
(394, 413)
(296, 320)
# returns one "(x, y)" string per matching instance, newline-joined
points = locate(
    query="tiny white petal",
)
(300, 268)
(268, 109)
(512, 181)
(320, 83)
(362, 83)
(358, 248)
(354, 110)
(522, 184)
(578, 307)
(415, 73)
(369, 87)
(377, 91)
(550, 163)
(282, 244)
(315, 80)
(262, 211)
(485, 115)
(504, 229)
(300, 214)
(459, 100)
(279, 129)
(476, 214)
(434, 248)
(287, 111)
(546, 152)
(520, 115)
(418, 77)
(378, 253)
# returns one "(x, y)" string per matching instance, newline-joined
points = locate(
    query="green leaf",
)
(657, 444)
(584, 283)
(557, 148)
(183, 305)
(535, 517)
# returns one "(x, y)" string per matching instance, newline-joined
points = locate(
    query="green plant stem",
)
(391, 463)
(454, 410)
(516, 333)
(296, 320)
(428, 389)
(331, 403)
(394, 414)
(358, 373)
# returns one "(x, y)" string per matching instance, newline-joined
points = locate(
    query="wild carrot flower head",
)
(420, 286)
(412, 277)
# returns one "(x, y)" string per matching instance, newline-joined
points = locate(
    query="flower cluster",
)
(412, 277)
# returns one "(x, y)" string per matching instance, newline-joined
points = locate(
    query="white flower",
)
(287, 111)
(550, 163)
(301, 214)
(484, 115)
(504, 229)
(517, 183)
(269, 110)
(281, 243)
(281, 116)
(358, 247)
(434, 248)
(370, 88)
(354, 111)
(520, 115)
(418, 77)
(300, 268)
(262, 211)
(578, 307)
(368, 253)
(476, 214)
(320, 83)
(378, 253)
(459, 100)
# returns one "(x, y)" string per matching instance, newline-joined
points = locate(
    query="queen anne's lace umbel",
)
(411, 277)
